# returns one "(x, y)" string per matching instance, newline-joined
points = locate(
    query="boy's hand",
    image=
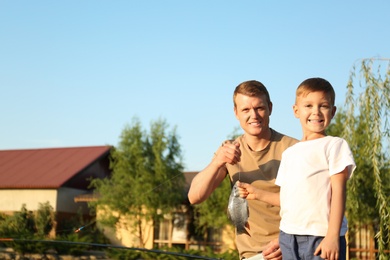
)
(328, 248)
(246, 190)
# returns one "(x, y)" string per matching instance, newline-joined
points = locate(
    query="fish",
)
(238, 211)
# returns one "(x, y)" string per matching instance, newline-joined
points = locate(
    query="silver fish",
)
(238, 212)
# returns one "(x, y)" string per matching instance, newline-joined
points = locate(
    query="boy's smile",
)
(315, 111)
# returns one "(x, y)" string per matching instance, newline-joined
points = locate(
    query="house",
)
(61, 176)
(172, 231)
(55, 175)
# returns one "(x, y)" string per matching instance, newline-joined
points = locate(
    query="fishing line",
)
(239, 166)
(239, 171)
(108, 246)
(164, 182)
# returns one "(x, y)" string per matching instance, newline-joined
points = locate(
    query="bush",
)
(158, 254)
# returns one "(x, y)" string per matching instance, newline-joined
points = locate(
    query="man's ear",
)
(270, 107)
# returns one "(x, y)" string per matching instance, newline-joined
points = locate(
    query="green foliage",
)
(212, 213)
(20, 224)
(365, 126)
(182, 254)
(237, 131)
(76, 244)
(44, 219)
(29, 232)
(146, 173)
(361, 200)
(72, 249)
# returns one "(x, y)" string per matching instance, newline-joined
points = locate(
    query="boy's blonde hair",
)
(314, 85)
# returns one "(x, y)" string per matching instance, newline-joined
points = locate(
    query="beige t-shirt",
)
(259, 168)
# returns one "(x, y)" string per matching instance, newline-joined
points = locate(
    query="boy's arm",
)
(329, 247)
(249, 192)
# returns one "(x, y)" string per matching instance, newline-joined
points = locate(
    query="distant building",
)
(61, 176)
(54, 175)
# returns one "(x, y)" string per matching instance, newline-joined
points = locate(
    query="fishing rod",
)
(107, 246)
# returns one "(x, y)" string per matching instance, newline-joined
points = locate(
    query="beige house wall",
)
(62, 200)
(124, 234)
(12, 200)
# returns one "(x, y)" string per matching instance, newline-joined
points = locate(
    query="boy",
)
(312, 179)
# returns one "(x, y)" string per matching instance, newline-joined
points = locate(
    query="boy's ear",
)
(334, 111)
(295, 110)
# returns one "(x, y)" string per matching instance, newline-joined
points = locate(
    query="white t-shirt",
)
(304, 180)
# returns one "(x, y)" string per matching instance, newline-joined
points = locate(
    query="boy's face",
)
(253, 114)
(315, 111)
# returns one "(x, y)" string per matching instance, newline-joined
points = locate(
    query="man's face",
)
(253, 114)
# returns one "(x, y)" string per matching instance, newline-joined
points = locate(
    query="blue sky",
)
(75, 73)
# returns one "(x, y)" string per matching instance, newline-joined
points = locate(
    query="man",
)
(253, 157)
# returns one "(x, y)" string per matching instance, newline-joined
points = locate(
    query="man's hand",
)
(272, 251)
(229, 152)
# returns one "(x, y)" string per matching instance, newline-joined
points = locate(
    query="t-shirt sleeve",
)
(340, 156)
(281, 172)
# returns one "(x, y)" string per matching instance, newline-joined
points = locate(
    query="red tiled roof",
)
(45, 168)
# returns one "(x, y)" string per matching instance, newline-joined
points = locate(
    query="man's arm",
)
(206, 181)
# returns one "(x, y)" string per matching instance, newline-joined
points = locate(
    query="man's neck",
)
(258, 143)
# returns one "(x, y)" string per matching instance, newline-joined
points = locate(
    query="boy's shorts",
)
(302, 247)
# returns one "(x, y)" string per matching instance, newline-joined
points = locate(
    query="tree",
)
(44, 219)
(361, 199)
(212, 213)
(366, 128)
(146, 174)
(26, 224)
(20, 224)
